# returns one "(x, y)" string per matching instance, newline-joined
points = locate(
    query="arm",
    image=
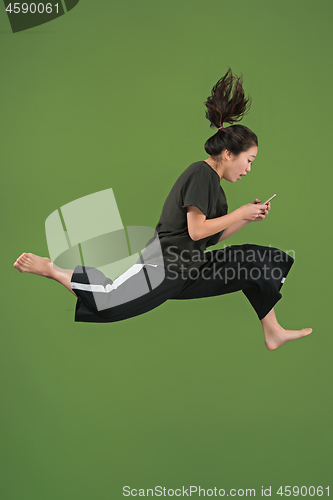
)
(199, 227)
(229, 231)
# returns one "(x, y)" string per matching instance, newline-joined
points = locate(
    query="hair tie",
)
(220, 128)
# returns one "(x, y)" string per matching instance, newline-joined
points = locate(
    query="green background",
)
(111, 95)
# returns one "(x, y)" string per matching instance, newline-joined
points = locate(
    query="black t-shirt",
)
(199, 186)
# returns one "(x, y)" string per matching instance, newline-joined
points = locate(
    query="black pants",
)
(256, 270)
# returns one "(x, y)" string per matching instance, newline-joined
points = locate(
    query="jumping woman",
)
(194, 217)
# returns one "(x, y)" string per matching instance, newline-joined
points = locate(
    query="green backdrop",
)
(110, 95)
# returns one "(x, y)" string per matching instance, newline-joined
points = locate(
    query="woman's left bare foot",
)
(31, 263)
(275, 337)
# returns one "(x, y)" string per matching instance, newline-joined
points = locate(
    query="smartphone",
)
(269, 199)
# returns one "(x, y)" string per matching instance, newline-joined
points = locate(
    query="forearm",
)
(229, 231)
(213, 226)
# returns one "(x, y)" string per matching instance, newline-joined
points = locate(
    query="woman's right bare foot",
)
(275, 337)
(31, 263)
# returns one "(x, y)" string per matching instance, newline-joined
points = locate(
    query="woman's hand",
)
(267, 205)
(254, 211)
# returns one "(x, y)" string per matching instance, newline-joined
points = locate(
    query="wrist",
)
(240, 214)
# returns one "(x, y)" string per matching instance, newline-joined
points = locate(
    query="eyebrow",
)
(252, 155)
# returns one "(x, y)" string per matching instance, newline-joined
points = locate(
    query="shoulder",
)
(198, 174)
(193, 168)
(199, 169)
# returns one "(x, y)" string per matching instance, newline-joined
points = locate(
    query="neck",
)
(216, 165)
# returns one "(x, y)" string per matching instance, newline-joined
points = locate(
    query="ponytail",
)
(228, 106)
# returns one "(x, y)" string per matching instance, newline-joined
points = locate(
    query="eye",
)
(249, 161)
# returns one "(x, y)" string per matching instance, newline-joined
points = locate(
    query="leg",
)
(42, 266)
(221, 275)
(135, 292)
(275, 335)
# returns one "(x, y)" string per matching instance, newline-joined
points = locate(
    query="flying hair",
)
(227, 102)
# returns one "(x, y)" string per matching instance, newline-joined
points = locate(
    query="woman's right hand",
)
(253, 211)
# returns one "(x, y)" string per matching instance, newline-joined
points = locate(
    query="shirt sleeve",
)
(197, 191)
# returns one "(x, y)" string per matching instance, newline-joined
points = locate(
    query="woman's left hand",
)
(268, 205)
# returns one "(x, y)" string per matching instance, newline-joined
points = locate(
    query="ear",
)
(227, 154)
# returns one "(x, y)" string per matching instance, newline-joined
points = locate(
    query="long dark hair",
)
(225, 105)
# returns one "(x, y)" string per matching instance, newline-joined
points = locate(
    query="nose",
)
(248, 169)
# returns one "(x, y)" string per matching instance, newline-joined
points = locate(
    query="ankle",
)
(271, 327)
(52, 272)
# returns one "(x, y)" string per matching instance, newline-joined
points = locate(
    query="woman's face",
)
(237, 166)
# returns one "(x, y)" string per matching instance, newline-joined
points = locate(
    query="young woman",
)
(194, 217)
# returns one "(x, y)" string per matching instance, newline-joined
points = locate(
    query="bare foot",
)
(31, 263)
(275, 337)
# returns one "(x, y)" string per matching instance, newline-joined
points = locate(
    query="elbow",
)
(194, 236)
(194, 229)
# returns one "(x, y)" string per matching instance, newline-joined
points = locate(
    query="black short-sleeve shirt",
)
(199, 186)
